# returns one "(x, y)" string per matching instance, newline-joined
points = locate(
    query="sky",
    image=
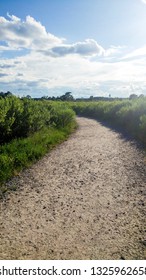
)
(88, 47)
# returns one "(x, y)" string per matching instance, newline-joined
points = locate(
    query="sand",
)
(83, 200)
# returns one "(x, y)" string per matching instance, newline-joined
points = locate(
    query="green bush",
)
(126, 114)
(61, 116)
(28, 129)
(20, 118)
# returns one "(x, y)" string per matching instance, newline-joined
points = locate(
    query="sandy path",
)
(84, 200)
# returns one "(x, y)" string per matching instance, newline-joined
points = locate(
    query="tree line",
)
(69, 97)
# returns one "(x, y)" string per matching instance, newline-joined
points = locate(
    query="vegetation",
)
(130, 114)
(65, 97)
(28, 129)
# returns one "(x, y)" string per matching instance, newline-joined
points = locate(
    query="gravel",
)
(83, 200)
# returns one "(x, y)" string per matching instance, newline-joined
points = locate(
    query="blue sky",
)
(89, 47)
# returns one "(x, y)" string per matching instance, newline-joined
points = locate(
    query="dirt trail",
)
(84, 200)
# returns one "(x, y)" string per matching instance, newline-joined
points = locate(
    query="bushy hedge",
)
(22, 117)
(129, 115)
(28, 129)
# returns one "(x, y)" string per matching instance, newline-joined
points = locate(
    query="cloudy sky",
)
(89, 47)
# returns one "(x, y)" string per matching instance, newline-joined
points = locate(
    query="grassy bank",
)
(22, 153)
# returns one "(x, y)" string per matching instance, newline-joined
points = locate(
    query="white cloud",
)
(144, 1)
(87, 48)
(12, 17)
(26, 34)
(136, 53)
(31, 34)
(113, 50)
(50, 65)
(80, 75)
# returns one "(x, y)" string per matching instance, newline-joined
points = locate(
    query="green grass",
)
(21, 153)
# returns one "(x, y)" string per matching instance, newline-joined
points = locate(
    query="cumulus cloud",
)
(26, 34)
(87, 48)
(31, 34)
(78, 67)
